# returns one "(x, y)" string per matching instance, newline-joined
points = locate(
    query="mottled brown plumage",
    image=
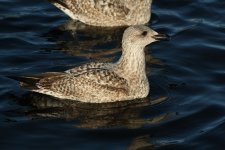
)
(107, 12)
(102, 82)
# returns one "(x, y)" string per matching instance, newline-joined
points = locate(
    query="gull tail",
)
(59, 3)
(30, 83)
(63, 6)
(26, 82)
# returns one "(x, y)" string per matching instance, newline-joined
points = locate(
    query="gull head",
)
(140, 36)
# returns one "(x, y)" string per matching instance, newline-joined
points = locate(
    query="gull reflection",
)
(93, 115)
(83, 40)
(141, 143)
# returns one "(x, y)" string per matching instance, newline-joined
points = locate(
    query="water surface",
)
(185, 108)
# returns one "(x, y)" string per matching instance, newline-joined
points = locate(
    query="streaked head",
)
(140, 36)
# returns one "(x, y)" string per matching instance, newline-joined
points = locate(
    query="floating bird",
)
(107, 12)
(102, 82)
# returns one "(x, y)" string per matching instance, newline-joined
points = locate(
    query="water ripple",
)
(186, 76)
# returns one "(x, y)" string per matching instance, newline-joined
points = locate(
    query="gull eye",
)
(144, 33)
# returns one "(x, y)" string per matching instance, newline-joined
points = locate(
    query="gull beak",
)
(161, 37)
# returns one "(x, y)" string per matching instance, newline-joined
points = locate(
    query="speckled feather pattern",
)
(107, 12)
(103, 82)
(86, 86)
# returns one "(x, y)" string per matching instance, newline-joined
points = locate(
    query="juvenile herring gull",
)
(107, 12)
(102, 82)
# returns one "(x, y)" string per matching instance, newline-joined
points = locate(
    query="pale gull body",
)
(107, 12)
(102, 82)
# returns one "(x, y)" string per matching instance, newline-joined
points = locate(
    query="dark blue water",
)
(187, 74)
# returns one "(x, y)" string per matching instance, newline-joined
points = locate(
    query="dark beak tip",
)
(162, 37)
